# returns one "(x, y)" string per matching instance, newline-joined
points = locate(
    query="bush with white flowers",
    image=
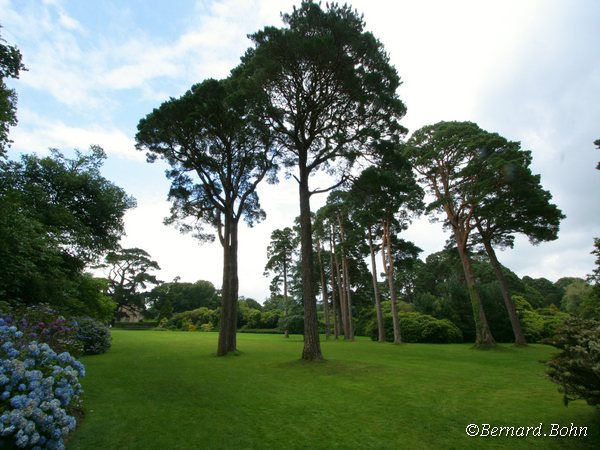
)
(39, 389)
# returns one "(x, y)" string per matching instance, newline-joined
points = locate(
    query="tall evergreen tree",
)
(508, 199)
(446, 157)
(331, 90)
(219, 151)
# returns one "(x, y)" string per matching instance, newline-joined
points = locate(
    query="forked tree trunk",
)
(312, 345)
(229, 291)
(324, 292)
(376, 294)
(483, 334)
(508, 301)
(388, 261)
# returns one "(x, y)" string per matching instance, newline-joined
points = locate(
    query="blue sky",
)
(529, 70)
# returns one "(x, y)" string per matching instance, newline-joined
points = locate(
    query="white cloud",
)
(37, 134)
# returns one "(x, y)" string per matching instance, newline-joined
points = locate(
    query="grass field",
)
(167, 390)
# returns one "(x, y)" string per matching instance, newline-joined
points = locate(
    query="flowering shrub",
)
(42, 324)
(38, 390)
(94, 336)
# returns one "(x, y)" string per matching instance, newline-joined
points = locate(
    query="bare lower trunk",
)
(312, 345)
(347, 288)
(483, 333)
(229, 292)
(389, 271)
(348, 299)
(508, 302)
(286, 303)
(324, 292)
(377, 296)
(342, 294)
(334, 302)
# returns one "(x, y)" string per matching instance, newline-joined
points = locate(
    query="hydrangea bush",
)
(42, 324)
(39, 389)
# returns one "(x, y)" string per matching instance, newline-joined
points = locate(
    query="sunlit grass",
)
(167, 390)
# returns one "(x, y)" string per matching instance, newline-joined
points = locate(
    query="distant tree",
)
(219, 151)
(183, 296)
(10, 67)
(579, 300)
(331, 90)
(128, 276)
(280, 260)
(446, 157)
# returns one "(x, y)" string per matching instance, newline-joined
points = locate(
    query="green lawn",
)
(167, 390)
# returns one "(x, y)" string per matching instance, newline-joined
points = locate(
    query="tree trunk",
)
(334, 302)
(347, 289)
(483, 333)
(286, 331)
(324, 292)
(312, 345)
(342, 294)
(229, 291)
(389, 271)
(508, 302)
(377, 296)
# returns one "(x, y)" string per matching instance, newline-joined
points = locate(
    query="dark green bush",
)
(417, 327)
(577, 368)
(94, 336)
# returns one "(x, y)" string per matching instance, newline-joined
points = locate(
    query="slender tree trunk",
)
(377, 296)
(508, 302)
(347, 288)
(312, 345)
(286, 331)
(342, 294)
(389, 271)
(324, 292)
(483, 333)
(229, 291)
(336, 319)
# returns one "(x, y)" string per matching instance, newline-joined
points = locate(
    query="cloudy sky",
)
(527, 69)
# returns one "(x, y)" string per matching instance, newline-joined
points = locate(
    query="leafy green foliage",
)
(10, 67)
(196, 318)
(579, 300)
(417, 327)
(59, 214)
(94, 335)
(577, 368)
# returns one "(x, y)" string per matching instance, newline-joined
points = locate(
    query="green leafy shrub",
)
(417, 327)
(196, 317)
(538, 324)
(94, 336)
(577, 368)
(207, 327)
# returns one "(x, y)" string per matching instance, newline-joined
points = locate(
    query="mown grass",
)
(167, 390)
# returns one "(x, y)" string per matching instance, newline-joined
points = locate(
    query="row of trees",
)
(319, 94)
